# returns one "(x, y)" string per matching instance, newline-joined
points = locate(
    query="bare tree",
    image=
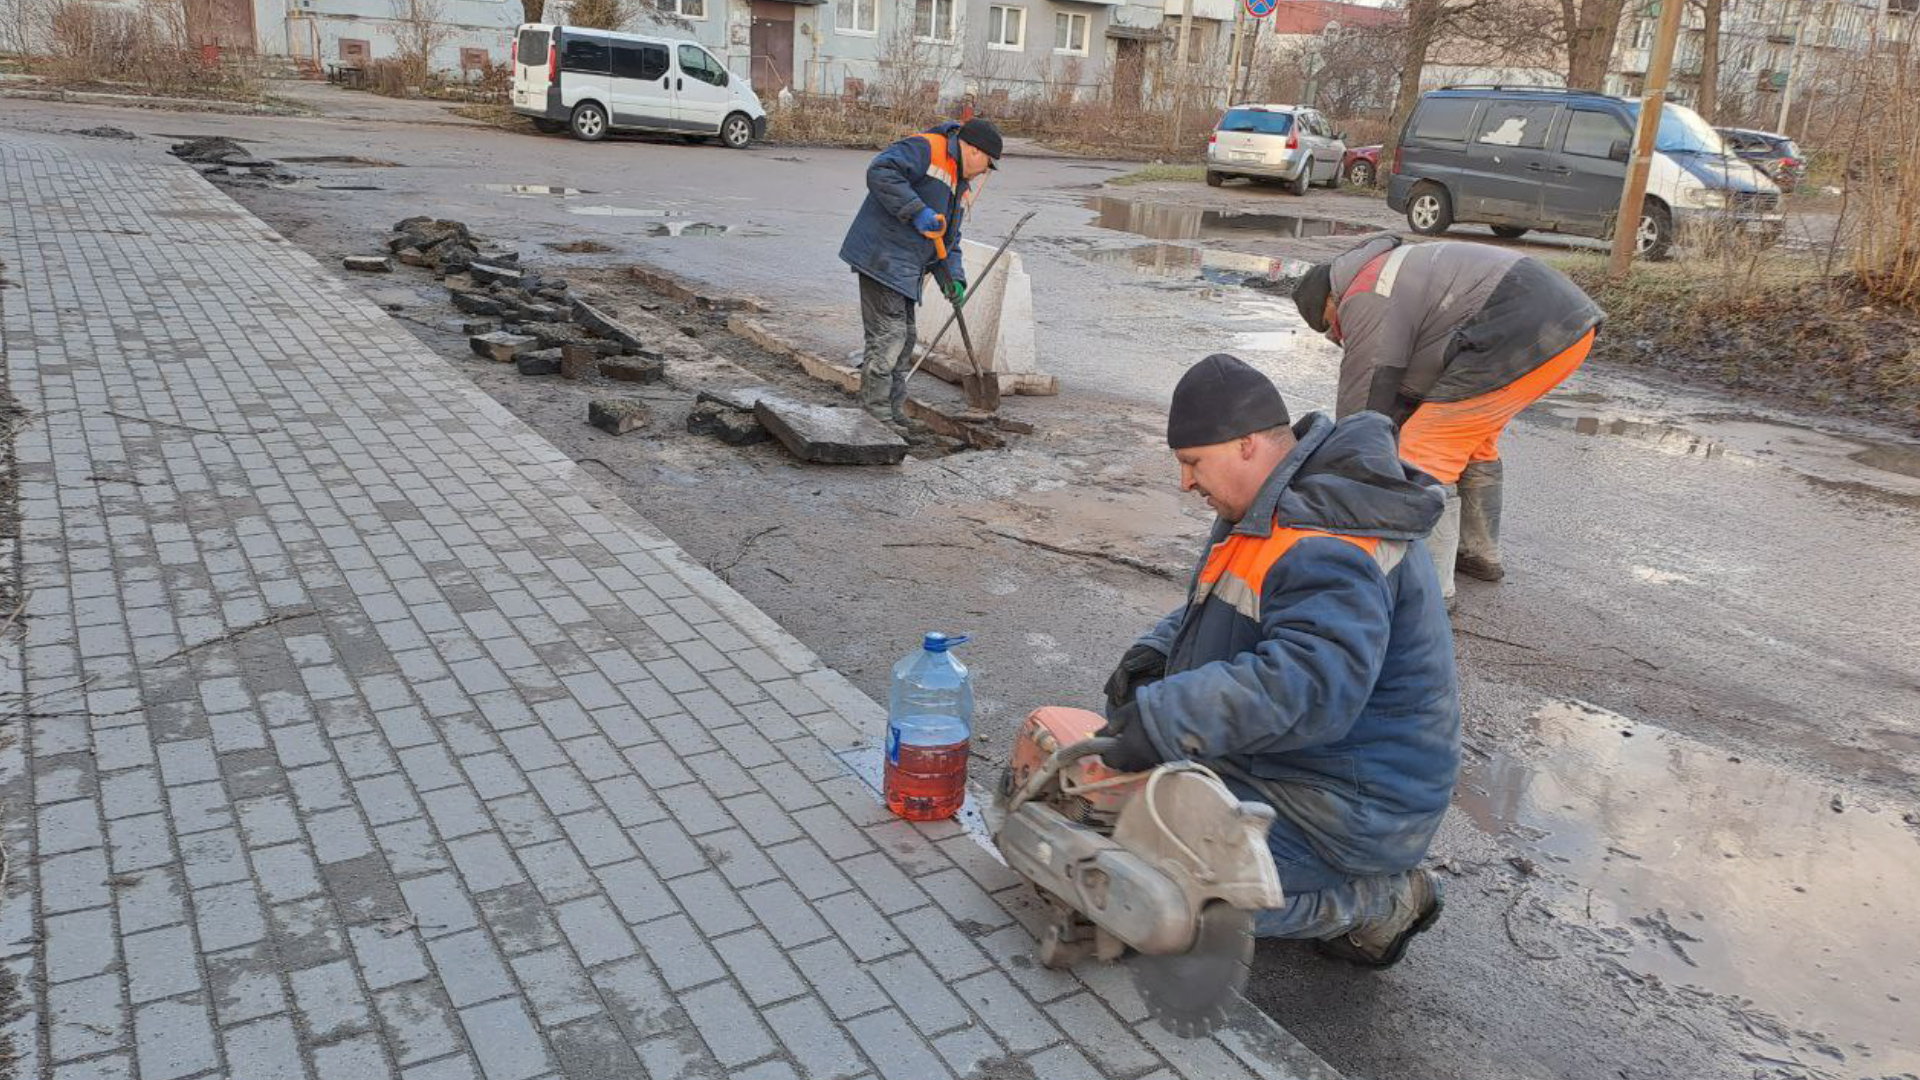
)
(21, 22)
(1709, 103)
(1588, 30)
(420, 28)
(532, 10)
(604, 14)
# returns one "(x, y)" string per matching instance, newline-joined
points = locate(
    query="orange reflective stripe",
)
(941, 167)
(1237, 567)
(1442, 437)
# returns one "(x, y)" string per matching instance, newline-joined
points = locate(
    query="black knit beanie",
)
(1220, 399)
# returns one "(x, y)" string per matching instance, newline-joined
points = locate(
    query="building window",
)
(1196, 44)
(1070, 33)
(687, 9)
(856, 16)
(1006, 28)
(933, 20)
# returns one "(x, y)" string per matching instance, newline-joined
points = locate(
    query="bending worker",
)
(1312, 666)
(918, 189)
(1450, 340)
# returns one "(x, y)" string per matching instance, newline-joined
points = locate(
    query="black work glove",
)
(1135, 752)
(1142, 664)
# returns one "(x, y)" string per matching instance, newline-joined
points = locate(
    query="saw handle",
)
(1056, 761)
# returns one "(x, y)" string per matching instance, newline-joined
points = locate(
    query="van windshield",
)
(1257, 121)
(1683, 132)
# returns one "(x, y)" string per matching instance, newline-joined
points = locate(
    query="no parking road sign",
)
(1260, 9)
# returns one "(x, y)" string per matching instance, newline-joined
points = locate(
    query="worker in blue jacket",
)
(1312, 665)
(918, 189)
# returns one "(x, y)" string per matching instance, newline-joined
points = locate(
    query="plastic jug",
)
(929, 731)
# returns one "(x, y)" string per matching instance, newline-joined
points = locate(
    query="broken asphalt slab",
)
(616, 416)
(830, 436)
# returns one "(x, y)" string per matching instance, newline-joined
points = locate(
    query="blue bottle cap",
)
(939, 642)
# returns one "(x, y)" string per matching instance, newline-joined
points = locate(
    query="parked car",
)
(1289, 143)
(1361, 165)
(1554, 160)
(595, 82)
(1770, 152)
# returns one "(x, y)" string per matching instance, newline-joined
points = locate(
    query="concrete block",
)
(634, 369)
(735, 427)
(473, 303)
(371, 264)
(544, 362)
(501, 346)
(578, 361)
(599, 322)
(616, 416)
(485, 273)
(830, 436)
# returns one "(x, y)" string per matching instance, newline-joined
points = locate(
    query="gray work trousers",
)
(887, 318)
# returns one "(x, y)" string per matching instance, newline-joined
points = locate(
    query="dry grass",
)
(78, 45)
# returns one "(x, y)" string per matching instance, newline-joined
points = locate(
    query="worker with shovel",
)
(1312, 665)
(1450, 340)
(918, 190)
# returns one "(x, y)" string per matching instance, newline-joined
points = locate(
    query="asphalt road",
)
(1701, 870)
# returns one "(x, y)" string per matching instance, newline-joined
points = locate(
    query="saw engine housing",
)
(1139, 856)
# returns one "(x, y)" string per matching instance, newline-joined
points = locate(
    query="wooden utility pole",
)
(1793, 68)
(1653, 101)
(1233, 59)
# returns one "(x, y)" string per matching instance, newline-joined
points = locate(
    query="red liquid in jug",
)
(929, 782)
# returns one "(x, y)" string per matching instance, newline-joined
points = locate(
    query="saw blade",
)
(1189, 992)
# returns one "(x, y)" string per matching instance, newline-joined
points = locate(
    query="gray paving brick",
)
(679, 952)
(680, 1055)
(715, 908)
(386, 799)
(1102, 1035)
(890, 890)
(637, 1000)
(493, 775)
(973, 1052)
(596, 932)
(305, 932)
(160, 963)
(214, 858)
(839, 980)
(729, 1024)
(921, 994)
(387, 960)
(267, 821)
(738, 858)
(229, 916)
(319, 787)
(355, 1059)
(837, 836)
(85, 1017)
(484, 862)
(760, 966)
(173, 1039)
(73, 881)
(895, 1049)
(1013, 950)
(785, 914)
(245, 984)
(593, 1048)
(504, 1039)
(697, 811)
(440, 905)
(635, 891)
(70, 826)
(129, 794)
(556, 987)
(268, 1049)
(470, 968)
(951, 953)
(117, 1067)
(861, 926)
(456, 812)
(962, 899)
(330, 999)
(339, 835)
(814, 1041)
(563, 789)
(668, 850)
(1018, 1023)
(1194, 1059)
(417, 1023)
(658, 765)
(524, 820)
(411, 848)
(597, 837)
(79, 945)
(557, 871)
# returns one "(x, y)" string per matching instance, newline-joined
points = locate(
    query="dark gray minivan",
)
(1526, 158)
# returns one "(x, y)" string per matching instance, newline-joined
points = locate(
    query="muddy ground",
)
(1692, 708)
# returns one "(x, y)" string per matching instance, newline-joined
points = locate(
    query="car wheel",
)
(589, 123)
(1430, 210)
(1300, 184)
(1215, 179)
(1510, 232)
(1361, 175)
(1653, 241)
(736, 131)
(549, 127)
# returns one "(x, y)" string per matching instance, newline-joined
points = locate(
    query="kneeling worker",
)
(1451, 340)
(1312, 665)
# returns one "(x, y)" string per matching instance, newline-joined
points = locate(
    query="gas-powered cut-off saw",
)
(1166, 864)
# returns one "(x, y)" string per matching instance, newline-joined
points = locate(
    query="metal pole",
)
(1626, 227)
(1180, 71)
(1233, 61)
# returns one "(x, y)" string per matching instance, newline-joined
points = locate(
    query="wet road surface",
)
(1722, 581)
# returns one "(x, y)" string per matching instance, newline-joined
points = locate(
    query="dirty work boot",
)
(1480, 521)
(1382, 942)
(1444, 541)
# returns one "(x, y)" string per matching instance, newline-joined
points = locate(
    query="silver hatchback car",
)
(1291, 143)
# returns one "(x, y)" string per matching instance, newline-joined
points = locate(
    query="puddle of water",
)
(624, 211)
(1219, 267)
(344, 161)
(1169, 221)
(1899, 460)
(1666, 439)
(1737, 878)
(533, 189)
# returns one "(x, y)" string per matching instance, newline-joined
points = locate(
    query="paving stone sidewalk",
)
(351, 731)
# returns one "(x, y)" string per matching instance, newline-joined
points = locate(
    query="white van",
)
(593, 82)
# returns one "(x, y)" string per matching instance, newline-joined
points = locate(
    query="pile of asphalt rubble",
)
(532, 321)
(220, 158)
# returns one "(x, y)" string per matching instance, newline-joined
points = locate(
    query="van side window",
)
(589, 56)
(533, 47)
(1444, 119)
(1520, 124)
(695, 62)
(643, 62)
(1592, 134)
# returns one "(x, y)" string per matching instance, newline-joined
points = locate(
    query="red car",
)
(1361, 165)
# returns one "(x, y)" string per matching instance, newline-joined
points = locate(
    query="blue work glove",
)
(1135, 752)
(957, 292)
(926, 220)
